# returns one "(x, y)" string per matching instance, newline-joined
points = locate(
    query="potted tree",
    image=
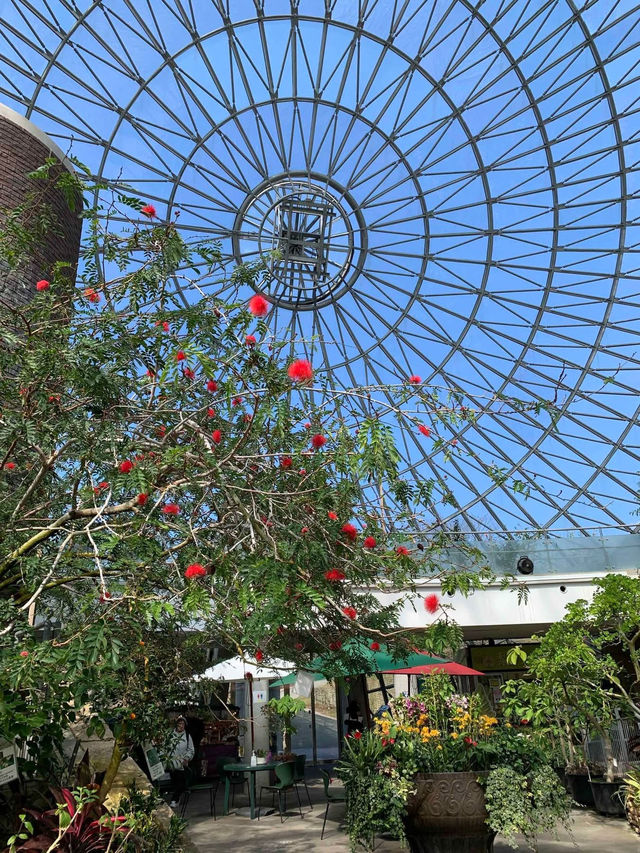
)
(281, 713)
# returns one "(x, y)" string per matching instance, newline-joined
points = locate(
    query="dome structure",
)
(447, 189)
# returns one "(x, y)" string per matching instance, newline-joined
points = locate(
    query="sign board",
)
(154, 762)
(259, 696)
(494, 658)
(8, 763)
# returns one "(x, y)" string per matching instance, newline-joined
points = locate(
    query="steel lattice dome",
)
(451, 187)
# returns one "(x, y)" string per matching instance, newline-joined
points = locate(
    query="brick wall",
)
(23, 149)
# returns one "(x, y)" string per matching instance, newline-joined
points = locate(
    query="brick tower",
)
(24, 148)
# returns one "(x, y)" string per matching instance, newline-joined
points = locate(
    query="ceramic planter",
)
(447, 814)
(606, 799)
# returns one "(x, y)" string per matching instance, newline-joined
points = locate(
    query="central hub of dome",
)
(310, 232)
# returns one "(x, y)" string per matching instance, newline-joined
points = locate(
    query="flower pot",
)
(578, 786)
(447, 814)
(261, 759)
(606, 799)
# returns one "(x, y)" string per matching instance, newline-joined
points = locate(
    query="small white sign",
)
(154, 762)
(259, 696)
(8, 763)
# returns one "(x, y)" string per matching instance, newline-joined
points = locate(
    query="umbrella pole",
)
(250, 684)
(408, 685)
(314, 736)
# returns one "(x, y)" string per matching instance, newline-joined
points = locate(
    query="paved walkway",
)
(592, 833)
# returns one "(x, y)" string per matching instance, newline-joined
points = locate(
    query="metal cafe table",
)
(251, 770)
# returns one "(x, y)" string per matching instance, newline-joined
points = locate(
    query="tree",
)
(173, 476)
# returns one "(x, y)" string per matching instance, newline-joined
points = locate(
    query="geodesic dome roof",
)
(451, 187)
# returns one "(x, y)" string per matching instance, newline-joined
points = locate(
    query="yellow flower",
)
(439, 746)
(455, 735)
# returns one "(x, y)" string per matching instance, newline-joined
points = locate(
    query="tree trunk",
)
(608, 755)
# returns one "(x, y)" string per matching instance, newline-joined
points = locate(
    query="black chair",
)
(299, 777)
(331, 798)
(236, 778)
(285, 774)
(196, 781)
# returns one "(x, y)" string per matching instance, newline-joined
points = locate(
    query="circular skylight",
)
(439, 187)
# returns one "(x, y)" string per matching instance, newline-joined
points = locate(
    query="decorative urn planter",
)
(447, 814)
(606, 799)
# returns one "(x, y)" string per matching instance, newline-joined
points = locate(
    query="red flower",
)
(431, 603)
(401, 551)
(258, 306)
(357, 735)
(189, 373)
(524, 722)
(286, 462)
(142, 499)
(92, 295)
(350, 531)
(334, 575)
(250, 340)
(43, 284)
(100, 487)
(302, 472)
(335, 645)
(211, 413)
(468, 740)
(195, 570)
(247, 418)
(415, 380)
(300, 370)
(425, 430)
(150, 374)
(24, 653)
(454, 441)
(370, 542)
(299, 647)
(171, 509)
(375, 647)
(259, 656)
(148, 210)
(318, 441)
(10, 466)
(237, 401)
(212, 385)
(304, 531)
(216, 435)
(165, 326)
(180, 356)
(161, 431)
(307, 425)
(104, 596)
(332, 515)
(54, 398)
(350, 612)
(126, 466)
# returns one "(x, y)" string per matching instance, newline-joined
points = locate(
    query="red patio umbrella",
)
(449, 667)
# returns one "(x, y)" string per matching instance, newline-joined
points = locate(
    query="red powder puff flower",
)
(164, 324)
(148, 210)
(300, 370)
(126, 466)
(211, 413)
(189, 373)
(92, 295)
(247, 418)
(304, 531)
(350, 531)
(286, 462)
(171, 509)
(161, 431)
(212, 385)
(415, 380)
(333, 516)
(24, 653)
(237, 401)
(216, 435)
(180, 356)
(258, 305)
(401, 551)
(302, 472)
(318, 441)
(54, 398)
(375, 647)
(195, 570)
(307, 425)
(334, 575)
(299, 647)
(10, 466)
(357, 735)
(425, 430)
(101, 487)
(431, 603)
(370, 542)
(250, 340)
(142, 499)
(350, 612)
(43, 284)
(335, 645)
(259, 656)
(150, 374)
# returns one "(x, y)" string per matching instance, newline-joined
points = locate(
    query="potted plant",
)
(447, 776)
(261, 756)
(281, 713)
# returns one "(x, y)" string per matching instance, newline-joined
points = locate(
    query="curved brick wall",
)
(23, 148)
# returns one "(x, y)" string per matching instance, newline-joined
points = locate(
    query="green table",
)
(244, 768)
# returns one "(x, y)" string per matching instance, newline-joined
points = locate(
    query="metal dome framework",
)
(451, 188)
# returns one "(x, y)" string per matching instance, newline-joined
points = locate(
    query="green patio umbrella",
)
(365, 661)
